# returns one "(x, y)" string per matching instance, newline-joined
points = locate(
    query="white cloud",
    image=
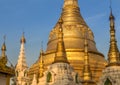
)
(95, 17)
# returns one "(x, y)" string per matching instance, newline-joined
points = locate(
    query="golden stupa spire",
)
(71, 13)
(41, 62)
(3, 48)
(87, 75)
(113, 54)
(3, 57)
(60, 52)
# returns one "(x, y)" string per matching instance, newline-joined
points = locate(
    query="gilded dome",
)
(74, 28)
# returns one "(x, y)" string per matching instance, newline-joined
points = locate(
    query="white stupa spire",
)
(21, 70)
(34, 81)
(21, 64)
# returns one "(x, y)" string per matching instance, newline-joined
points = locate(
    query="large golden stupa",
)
(74, 28)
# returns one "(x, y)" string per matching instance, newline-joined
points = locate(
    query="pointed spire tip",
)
(4, 46)
(23, 40)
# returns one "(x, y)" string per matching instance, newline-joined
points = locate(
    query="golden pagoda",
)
(111, 74)
(74, 28)
(5, 72)
(113, 54)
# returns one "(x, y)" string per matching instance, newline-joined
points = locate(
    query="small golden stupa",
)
(5, 72)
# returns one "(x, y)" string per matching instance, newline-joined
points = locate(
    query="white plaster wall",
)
(2, 79)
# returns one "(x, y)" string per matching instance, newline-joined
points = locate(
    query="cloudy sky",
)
(37, 17)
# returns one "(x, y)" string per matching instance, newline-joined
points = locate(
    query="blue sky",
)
(37, 17)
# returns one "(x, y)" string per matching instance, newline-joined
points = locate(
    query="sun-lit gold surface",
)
(41, 64)
(74, 28)
(60, 51)
(87, 75)
(113, 55)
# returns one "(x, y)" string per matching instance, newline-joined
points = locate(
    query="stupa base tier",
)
(76, 60)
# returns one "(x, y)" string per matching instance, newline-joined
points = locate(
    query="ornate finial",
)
(111, 14)
(3, 55)
(113, 55)
(41, 61)
(60, 52)
(111, 5)
(4, 37)
(41, 47)
(23, 40)
(41, 50)
(60, 24)
(4, 46)
(60, 21)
